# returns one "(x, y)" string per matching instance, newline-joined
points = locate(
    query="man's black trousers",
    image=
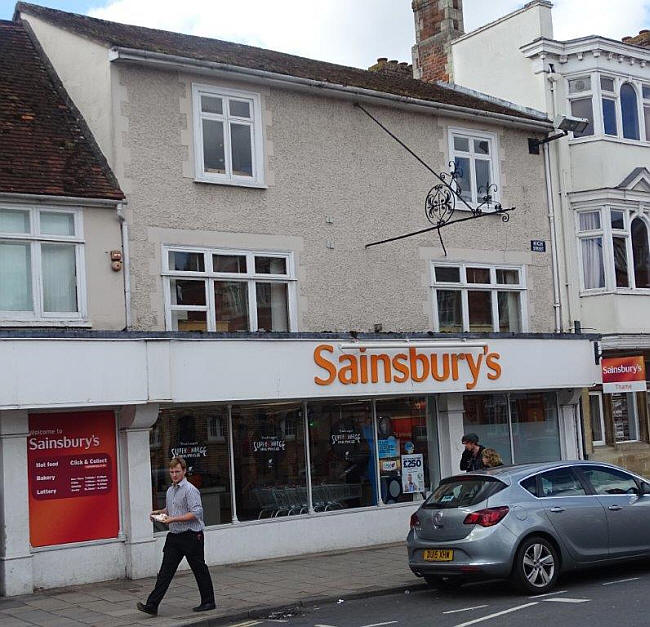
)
(188, 544)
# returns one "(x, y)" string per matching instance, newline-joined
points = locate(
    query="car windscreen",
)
(463, 491)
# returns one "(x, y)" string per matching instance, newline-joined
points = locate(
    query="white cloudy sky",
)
(352, 32)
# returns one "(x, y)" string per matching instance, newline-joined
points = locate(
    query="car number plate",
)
(438, 555)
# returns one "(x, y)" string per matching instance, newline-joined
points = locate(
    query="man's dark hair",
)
(470, 437)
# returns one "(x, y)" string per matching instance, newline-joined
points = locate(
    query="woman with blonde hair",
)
(491, 458)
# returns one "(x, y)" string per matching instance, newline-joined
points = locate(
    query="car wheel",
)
(536, 566)
(442, 582)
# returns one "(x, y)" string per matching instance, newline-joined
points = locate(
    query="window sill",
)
(46, 323)
(641, 291)
(251, 184)
(609, 138)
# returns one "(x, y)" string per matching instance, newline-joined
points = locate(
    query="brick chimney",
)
(437, 23)
(392, 68)
(642, 39)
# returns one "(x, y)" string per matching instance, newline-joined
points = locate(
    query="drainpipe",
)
(124, 230)
(557, 307)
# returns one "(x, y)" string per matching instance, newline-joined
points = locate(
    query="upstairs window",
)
(41, 264)
(580, 99)
(227, 136)
(629, 112)
(646, 109)
(608, 92)
(475, 161)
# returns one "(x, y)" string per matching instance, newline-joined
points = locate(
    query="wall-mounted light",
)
(564, 124)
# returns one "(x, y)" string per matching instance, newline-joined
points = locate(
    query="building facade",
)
(309, 381)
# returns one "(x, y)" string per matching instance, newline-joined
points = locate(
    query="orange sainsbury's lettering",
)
(492, 361)
(325, 364)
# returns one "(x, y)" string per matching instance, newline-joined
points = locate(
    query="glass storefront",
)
(487, 416)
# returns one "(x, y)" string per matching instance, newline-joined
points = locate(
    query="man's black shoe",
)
(204, 607)
(147, 609)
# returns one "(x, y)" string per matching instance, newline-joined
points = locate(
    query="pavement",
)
(242, 591)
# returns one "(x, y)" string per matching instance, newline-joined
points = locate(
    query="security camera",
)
(569, 123)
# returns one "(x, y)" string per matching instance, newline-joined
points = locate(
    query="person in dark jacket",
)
(471, 458)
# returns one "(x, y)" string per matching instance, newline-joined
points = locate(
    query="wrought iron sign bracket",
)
(440, 202)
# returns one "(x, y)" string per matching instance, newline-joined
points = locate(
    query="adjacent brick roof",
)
(215, 50)
(43, 146)
(642, 39)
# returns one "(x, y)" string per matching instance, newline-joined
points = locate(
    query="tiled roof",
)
(642, 39)
(215, 50)
(44, 147)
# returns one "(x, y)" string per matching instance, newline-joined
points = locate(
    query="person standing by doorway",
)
(184, 515)
(471, 457)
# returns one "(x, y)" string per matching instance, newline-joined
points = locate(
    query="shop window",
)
(341, 440)
(41, 265)
(487, 416)
(270, 469)
(223, 290)
(481, 299)
(403, 453)
(187, 432)
(535, 428)
(597, 420)
(624, 417)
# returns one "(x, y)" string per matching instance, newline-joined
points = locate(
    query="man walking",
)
(471, 457)
(184, 515)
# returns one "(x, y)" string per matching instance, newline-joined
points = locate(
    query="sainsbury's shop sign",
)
(623, 374)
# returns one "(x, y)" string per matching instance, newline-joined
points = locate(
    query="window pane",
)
(269, 449)
(535, 430)
(57, 223)
(214, 156)
(186, 262)
(461, 143)
(596, 420)
(482, 178)
(402, 431)
(450, 319)
(447, 274)
(592, 262)
(463, 178)
(620, 261)
(229, 263)
(487, 416)
(187, 292)
(211, 104)
(507, 277)
(185, 432)
(589, 220)
(582, 108)
(59, 278)
(609, 116)
(629, 112)
(579, 84)
(480, 311)
(270, 265)
(189, 321)
(272, 306)
(607, 84)
(646, 92)
(617, 219)
(509, 312)
(482, 146)
(560, 482)
(624, 417)
(240, 108)
(478, 275)
(231, 306)
(640, 253)
(341, 442)
(646, 117)
(242, 160)
(15, 277)
(609, 481)
(14, 221)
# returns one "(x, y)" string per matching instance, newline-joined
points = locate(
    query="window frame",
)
(493, 287)
(601, 416)
(35, 239)
(257, 137)
(493, 141)
(250, 277)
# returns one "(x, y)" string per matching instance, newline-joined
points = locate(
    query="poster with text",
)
(72, 471)
(412, 473)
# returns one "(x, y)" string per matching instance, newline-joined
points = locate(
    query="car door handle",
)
(557, 510)
(614, 508)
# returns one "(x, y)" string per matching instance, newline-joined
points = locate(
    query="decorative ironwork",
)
(440, 202)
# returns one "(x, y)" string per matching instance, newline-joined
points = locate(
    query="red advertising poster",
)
(623, 374)
(72, 465)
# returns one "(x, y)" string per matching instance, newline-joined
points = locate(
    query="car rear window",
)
(463, 492)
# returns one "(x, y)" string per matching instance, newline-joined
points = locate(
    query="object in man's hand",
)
(159, 517)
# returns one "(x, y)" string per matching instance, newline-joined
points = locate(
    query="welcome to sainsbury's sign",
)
(623, 374)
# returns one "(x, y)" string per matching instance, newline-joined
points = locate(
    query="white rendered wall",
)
(489, 60)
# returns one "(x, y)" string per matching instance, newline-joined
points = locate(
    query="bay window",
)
(225, 290)
(41, 264)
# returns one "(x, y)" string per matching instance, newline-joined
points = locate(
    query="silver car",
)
(529, 523)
